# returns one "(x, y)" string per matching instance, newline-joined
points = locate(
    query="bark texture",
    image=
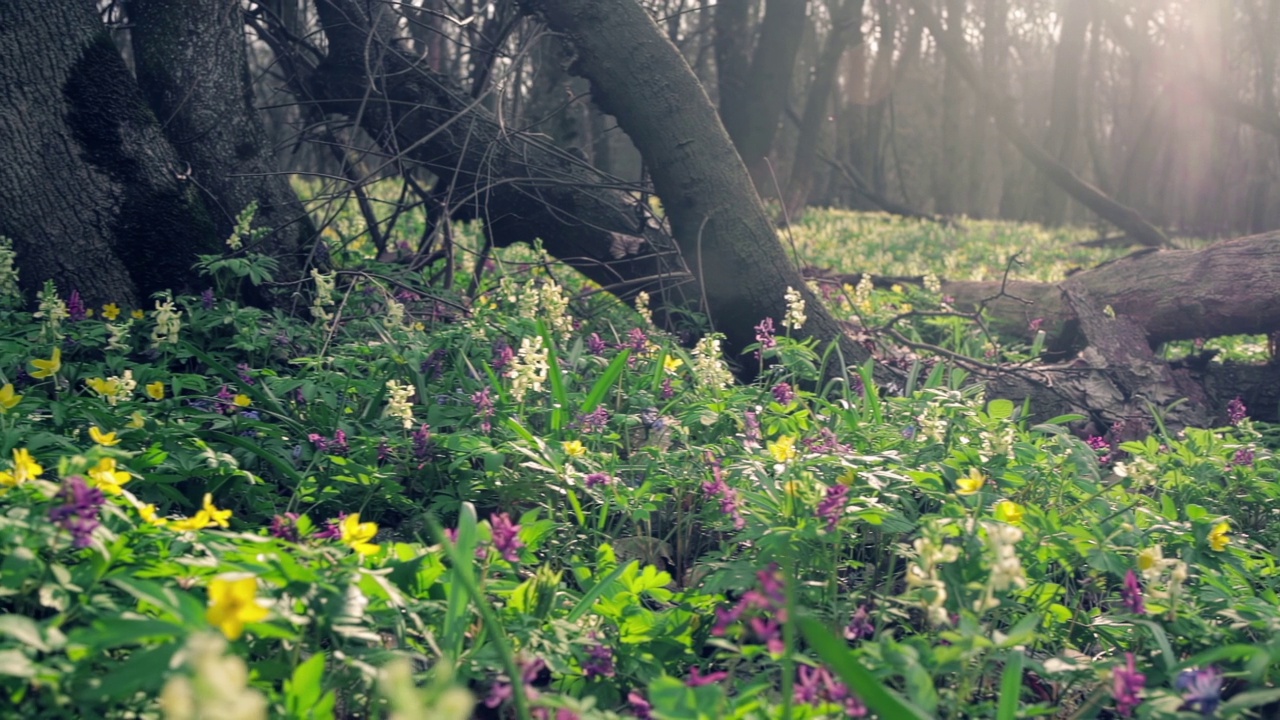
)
(192, 66)
(91, 190)
(717, 219)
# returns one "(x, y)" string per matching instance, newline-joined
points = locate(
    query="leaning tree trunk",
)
(91, 193)
(192, 64)
(717, 219)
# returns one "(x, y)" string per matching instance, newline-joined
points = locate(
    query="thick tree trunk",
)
(90, 190)
(1122, 217)
(721, 227)
(192, 66)
(1064, 105)
(948, 174)
(751, 106)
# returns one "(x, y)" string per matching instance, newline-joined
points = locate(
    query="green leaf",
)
(605, 381)
(304, 690)
(556, 375)
(1010, 686)
(24, 630)
(589, 598)
(1166, 651)
(879, 699)
(1250, 698)
(1000, 409)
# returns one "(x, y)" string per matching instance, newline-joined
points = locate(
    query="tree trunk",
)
(846, 27)
(1122, 217)
(717, 219)
(192, 65)
(1064, 105)
(92, 192)
(948, 173)
(751, 107)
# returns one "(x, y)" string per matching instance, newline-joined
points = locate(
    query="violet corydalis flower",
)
(1243, 457)
(639, 706)
(599, 662)
(78, 514)
(242, 370)
(1236, 411)
(728, 496)
(831, 508)
(697, 679)
(1201, 690)
(599, 478)
(1131, 594)
(860, 625)
(815, 686)
(75, 307)
(595, 345)
(502, 356)
(783, 393)
(207, 299)
(1126, 684)
(765, 334)
(483, 402)
(285, 527)
(506, 537)
(332, 529)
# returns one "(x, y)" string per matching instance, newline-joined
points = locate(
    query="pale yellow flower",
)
(784, 449)
(25, 468)
(199, 521)
(155, 390)
(671, 365)
(1009, 511)
(8, 398)
(216, 516)
(233, 601)
(111, 311)
(574, 448)
(107, 478)
(243, 400)
(148, 513)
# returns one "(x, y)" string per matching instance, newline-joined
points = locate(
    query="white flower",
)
(708, 368)
(529, 368)
(642, 307)
(398, 402)
(324, 295)
(795, 317)
(168, 322)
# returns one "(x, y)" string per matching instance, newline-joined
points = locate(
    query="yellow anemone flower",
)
(104, 388)
(1009, 511)
(971, 483)
(243, 400)
(137, 314)
(216, 516)
(671, 365)
(107, 478)
(1218, 538)
(574, 448)
(111, 311)
(50, 367)
(233, 601)
(106, 439)
(357, 534)
(199, 521)
(8, 398)
(25, 468)
(784, 449)
(148, 513)
(155, 390)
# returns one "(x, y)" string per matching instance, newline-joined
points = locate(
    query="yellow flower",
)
(216, 516)
(104, 388)
(671, 364)
(574, 448)
(358, 534)
(111, 311)
(148, 513)
(1150, 558)
(1009, 511)
(155, 390)
(971, 483)
(107, 478)
(848, 478)
(784, 449)
(50, 367)
(137, 314)
(243, 400)
(1218, 538)
(88, 313)
(136, 421)
(8, 398)
(25, 468)
(104, 439)
(199, 521)
(233, 601)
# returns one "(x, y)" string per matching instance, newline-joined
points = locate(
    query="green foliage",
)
(429, 499)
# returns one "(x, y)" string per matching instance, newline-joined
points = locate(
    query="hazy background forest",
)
(1167, 106)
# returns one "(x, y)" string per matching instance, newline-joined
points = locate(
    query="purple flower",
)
(751, 430)
(599, 478)
(826, 442)
(243, 371)
(1034, 325)
(78, 514)
(207, 299)
(668, 390)
(764, 334)
(718, 488)
(599, 662)
(433, 366)
(595, 421)
(506, 537)
(832, 506)
(226, 401)
(595, 345)
(697, 679)
(1243, 456)
(75, 307)
(320, 442)
(483, 402)
(1131, 594)
(384, 451)
(641, 707)
(502, 356)
(638, 341)
(285, 527)
(422, 441)
(815, 686)
(339, 444)
(1236, 411)
(502, 690)
(1126, 683)
(1201, 688)
(860, 625)
(332, 529)
(783, 393)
